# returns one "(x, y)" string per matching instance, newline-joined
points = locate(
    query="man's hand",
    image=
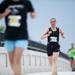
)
(62, 33)
(63, 36)
(46, 35)
(7, 11)
(33, 14)
(43, 37)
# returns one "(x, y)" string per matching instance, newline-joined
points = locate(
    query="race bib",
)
(53, 39)
(14, 21)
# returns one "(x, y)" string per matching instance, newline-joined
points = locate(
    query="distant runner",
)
(53, 47)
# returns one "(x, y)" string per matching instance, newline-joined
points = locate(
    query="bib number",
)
(53, 39)
(14, 21)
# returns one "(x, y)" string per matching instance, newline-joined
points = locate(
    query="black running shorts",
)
(52, 47)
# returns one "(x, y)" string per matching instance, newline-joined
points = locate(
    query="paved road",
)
(47, 73)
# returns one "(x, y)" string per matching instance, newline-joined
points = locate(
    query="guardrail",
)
(34, 61)
(5, 54)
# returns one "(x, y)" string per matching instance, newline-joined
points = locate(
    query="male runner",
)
(53, 47)
(16, 34)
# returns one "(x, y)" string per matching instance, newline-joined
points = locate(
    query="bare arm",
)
(45, 35)
(7, 11)
(62, 33)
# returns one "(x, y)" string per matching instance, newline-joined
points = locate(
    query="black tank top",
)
(54, 36)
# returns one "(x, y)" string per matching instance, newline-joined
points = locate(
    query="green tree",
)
(1, 29)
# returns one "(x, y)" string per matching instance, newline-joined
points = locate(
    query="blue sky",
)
(62, 10)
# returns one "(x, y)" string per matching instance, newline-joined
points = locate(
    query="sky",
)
(62, 10)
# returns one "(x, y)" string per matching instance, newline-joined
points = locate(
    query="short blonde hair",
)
(52, 19)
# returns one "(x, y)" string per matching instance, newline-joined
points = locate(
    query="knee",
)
(16, 61)
(50, 62)
(54, 60)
